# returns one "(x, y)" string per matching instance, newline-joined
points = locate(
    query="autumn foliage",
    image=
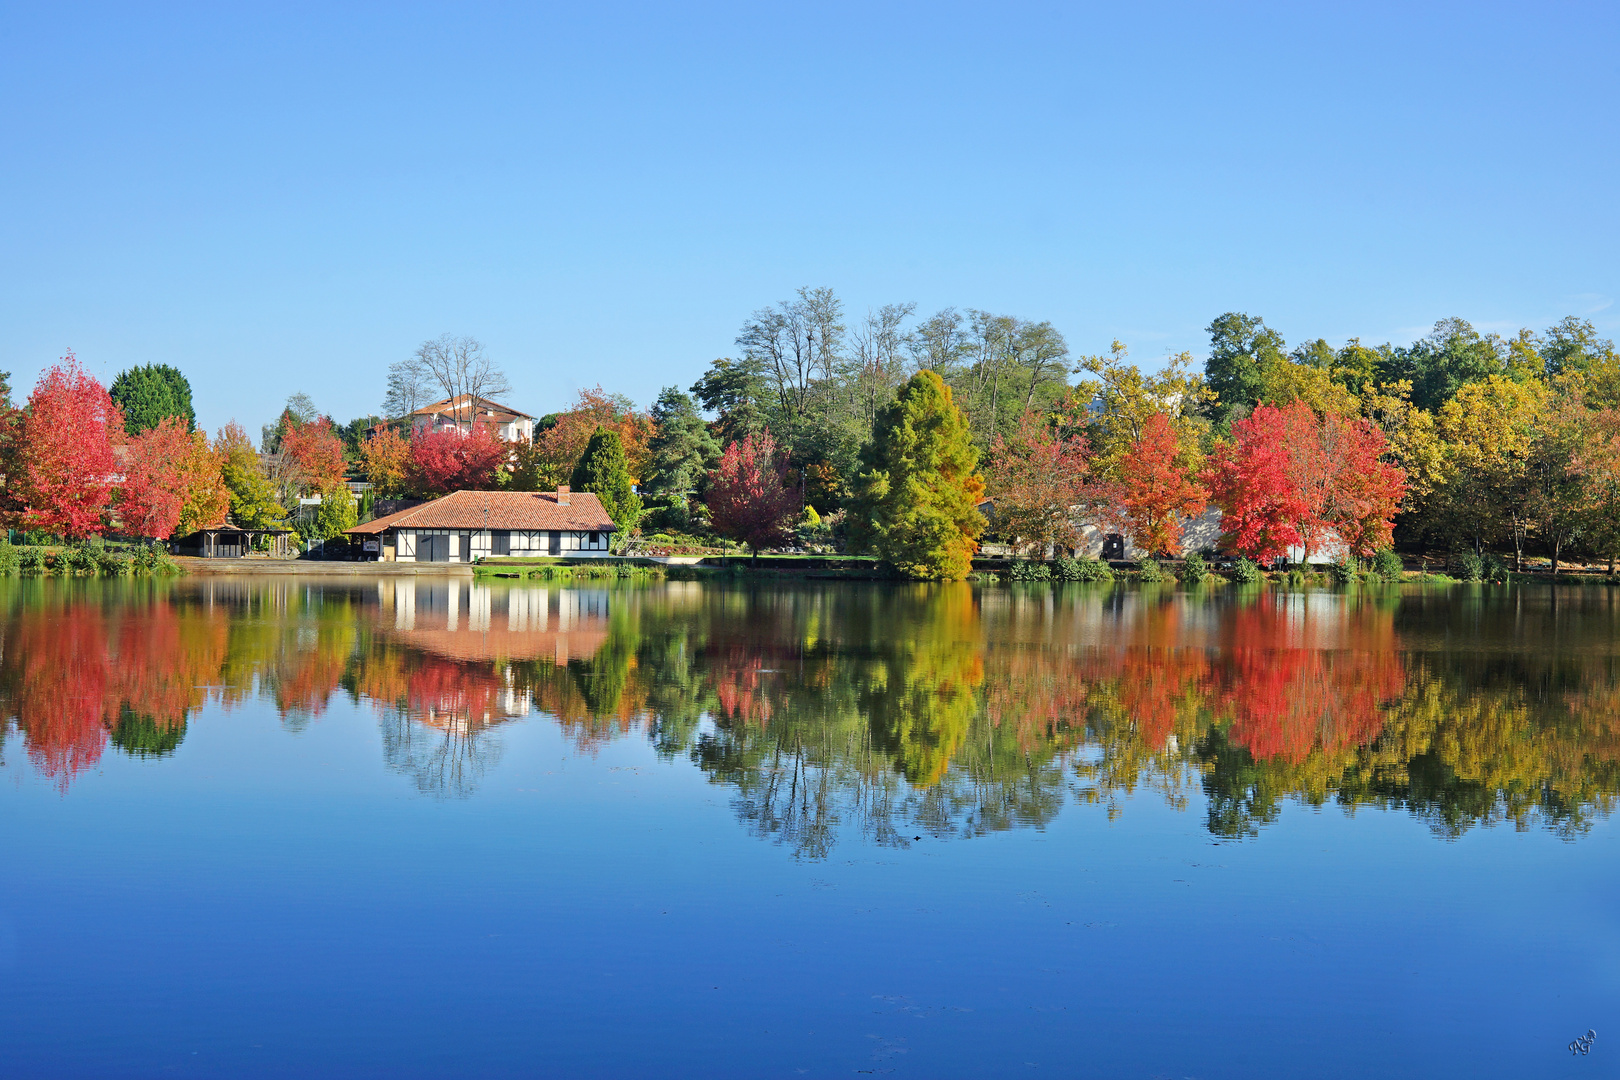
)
(316, 454)
(154, 487)
(1038, 483)
(747, 499)
(69, 468)
(1289, 478)
(1155, 492)
(386, 457)
(557, 448)
(451, 460)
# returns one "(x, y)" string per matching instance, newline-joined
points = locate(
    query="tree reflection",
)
(885, 712)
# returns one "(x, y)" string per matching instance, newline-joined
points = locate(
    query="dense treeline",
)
(882, 435)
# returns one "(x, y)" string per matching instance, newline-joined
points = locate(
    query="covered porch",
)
(230, 542)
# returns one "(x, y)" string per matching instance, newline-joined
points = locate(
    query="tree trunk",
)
(1558, 545)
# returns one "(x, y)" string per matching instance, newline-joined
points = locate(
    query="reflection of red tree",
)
(72, 670)
(440, 691)
(735, 671)
(60, 694)
(1294, 684)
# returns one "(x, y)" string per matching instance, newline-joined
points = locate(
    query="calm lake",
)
(416, 828)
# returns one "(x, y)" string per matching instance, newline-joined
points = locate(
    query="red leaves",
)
(316, 452)
(450, 460)
(1038, 483)
(68, 465)
(1289, 478)
(154, 480)
(747, 500)
(1155, 492)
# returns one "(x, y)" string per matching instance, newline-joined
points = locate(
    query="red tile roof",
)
(499, 510)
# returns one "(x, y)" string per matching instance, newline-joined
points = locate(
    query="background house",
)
(464, 410)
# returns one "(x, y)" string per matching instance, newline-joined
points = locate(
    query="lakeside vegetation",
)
(885, 438)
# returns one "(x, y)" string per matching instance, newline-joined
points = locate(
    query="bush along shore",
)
(92, 559)
(1196, 569)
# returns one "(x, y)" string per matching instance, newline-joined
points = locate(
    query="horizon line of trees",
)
(884, 437)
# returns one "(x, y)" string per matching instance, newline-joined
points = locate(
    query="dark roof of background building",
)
(528, 510)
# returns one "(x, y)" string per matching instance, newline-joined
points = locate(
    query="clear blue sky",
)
(276, 198)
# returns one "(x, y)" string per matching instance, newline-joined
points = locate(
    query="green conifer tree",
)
(916, 498)
(150, 394)
(602, 470)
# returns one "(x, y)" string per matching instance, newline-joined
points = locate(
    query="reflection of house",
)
(466, 525)
(464, 410)
(480, 623)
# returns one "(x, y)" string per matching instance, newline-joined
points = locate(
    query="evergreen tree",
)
(915, 502)
(680, 454)
(602, 470)
(150, 394)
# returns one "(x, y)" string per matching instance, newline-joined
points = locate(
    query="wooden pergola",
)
(230, 542)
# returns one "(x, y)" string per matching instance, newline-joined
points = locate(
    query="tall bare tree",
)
(410, 386)
(799, 343)
(461, 367)
(877, 363)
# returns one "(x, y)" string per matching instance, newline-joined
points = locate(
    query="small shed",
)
(231, 542)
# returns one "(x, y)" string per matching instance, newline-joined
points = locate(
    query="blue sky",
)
(277, 198)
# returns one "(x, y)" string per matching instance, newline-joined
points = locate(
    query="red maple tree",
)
(1289, 478)
(1155, 491)
(451, 460)
(747, 499)
(68, 466)
(316, 453)
(171, 477)
(1038, 482)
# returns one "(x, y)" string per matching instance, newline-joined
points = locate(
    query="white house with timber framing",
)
(468, 525)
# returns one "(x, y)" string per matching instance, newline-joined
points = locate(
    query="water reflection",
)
(892, 711)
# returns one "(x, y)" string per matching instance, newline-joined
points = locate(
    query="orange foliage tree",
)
(558, 447)
(68, 464)
(1155, 491)
(386, 457)
(172, 482)
(316, 454)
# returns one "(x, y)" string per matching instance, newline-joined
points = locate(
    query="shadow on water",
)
(893, 711)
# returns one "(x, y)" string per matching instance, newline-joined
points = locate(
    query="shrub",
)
(1493, 569)
(1296, 577)
(113, 563)
(1081, 569)
(8, 558)
(1387, 566)
(153, 559)
(1466, 566)
(1193, 569)
(1148, 569)
(75, 559)
(1343, 571)
(31, 560)
(1029, 570)
(1245, 572)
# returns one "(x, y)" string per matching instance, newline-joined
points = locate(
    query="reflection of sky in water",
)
(220, 860)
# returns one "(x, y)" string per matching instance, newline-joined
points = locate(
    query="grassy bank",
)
(85, 560)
